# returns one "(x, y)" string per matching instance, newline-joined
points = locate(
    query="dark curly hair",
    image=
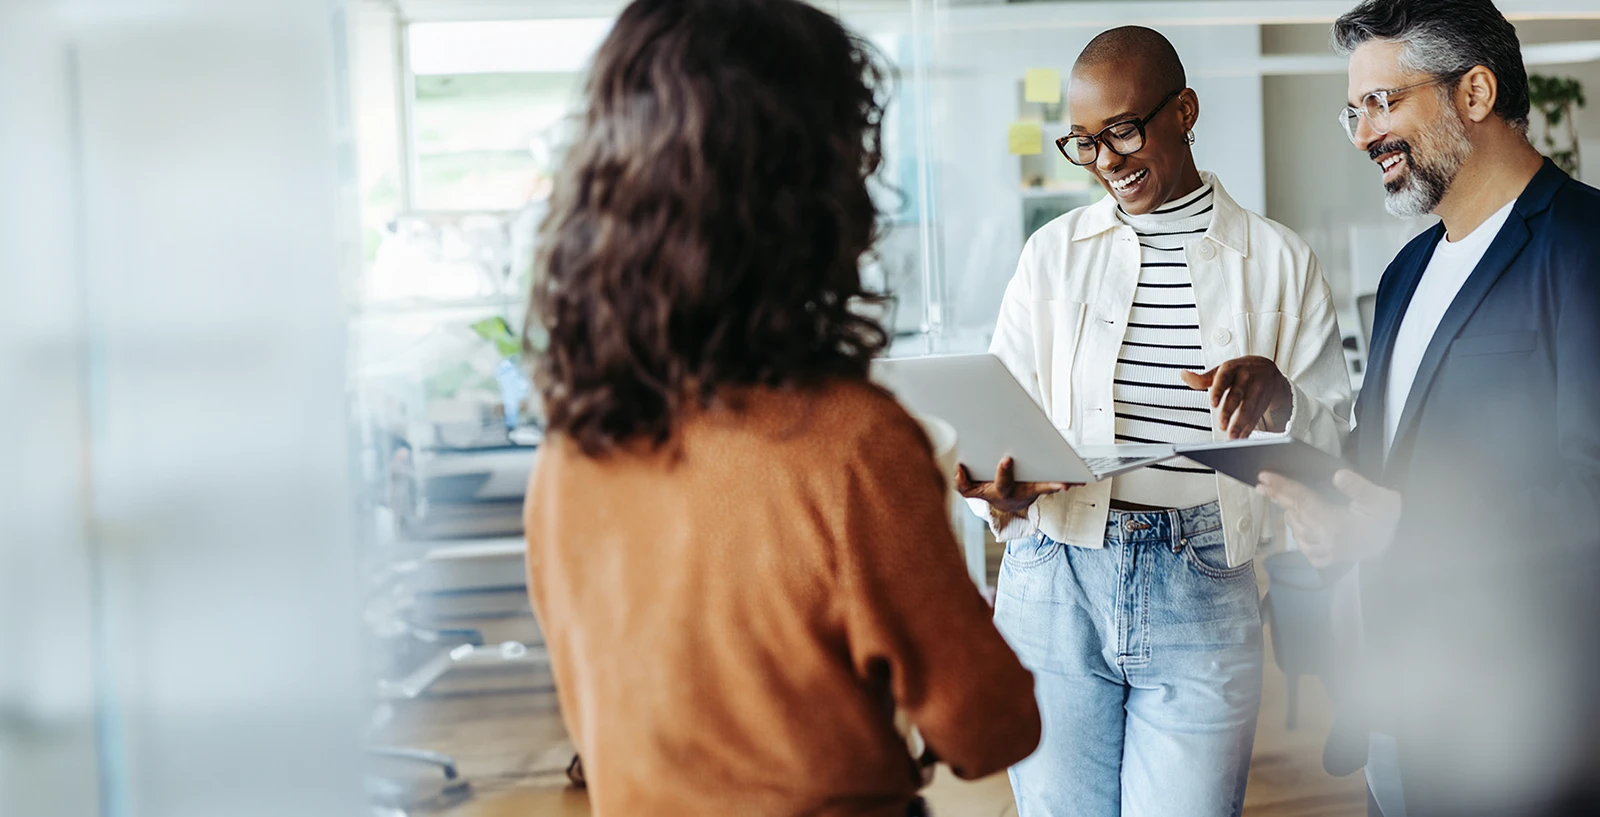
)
(709, 221)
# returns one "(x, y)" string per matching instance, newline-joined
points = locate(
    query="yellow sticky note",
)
(1025, 138)
(1042, 85)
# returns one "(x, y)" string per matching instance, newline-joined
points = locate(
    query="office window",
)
(485, 141)
(488, 103)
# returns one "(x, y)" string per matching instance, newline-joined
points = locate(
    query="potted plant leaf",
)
(1557, 100)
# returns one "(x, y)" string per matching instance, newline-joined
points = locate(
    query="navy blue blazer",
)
(1514, 367)
(1497, 456)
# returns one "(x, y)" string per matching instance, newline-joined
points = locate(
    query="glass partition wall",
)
(175, 637)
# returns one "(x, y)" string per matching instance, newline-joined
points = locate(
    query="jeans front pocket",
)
(1029, 551)
(1033, 606)
(1204, 602)
(1208, 555)
(1030, 569)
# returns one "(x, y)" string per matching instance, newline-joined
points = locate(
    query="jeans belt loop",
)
(1178, 539)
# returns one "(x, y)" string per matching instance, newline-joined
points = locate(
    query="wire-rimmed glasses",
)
(1375, 107)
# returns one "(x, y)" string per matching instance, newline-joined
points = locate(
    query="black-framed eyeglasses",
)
(1375, 107)
(1121, 138)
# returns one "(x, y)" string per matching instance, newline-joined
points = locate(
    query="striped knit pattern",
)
(1152, 403)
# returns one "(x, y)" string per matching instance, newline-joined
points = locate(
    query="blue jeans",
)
(1146, 657)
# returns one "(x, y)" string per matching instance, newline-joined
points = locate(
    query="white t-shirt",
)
(1452, 263)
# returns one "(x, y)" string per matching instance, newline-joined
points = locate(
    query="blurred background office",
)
(262, 269)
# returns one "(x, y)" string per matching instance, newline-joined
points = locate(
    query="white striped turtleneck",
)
(1152, 403)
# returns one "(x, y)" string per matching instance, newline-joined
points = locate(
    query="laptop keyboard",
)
(1100, 465)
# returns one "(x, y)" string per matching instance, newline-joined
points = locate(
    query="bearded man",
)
(1474, 506)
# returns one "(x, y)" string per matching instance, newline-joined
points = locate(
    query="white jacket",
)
(1259, 291)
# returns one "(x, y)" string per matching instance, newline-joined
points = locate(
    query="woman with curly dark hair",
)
(739, 549)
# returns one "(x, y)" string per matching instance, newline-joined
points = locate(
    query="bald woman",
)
(1163, 313)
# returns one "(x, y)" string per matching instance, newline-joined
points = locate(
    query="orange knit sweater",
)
(728, 616)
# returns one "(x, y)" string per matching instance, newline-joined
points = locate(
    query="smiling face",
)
(1427, 142)
(1103, 95)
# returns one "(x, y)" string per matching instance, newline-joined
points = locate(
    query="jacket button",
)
(1243, 524)
(1222, 336)
(1205, 250)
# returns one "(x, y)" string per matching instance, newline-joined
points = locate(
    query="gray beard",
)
(1421, 192)
(1427, 182)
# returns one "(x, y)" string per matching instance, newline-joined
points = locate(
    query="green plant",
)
(1557, 99)
(498, 332)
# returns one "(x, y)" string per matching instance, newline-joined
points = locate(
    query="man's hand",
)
(1005, 494)
(1249, 392)
(1328, 533)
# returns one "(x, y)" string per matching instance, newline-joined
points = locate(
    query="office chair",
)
(1298, 613)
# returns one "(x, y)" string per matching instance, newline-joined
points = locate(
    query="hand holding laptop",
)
(1004, 493)
(997, 419)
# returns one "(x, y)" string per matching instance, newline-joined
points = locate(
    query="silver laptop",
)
(994, 417)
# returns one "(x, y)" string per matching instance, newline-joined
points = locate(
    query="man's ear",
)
(1478, 91)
